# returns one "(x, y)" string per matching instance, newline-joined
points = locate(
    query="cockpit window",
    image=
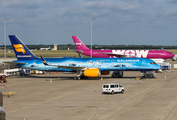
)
(152, 63)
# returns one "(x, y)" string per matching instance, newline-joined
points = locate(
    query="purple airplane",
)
(151, 54)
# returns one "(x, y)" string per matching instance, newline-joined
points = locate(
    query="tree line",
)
(70, 46)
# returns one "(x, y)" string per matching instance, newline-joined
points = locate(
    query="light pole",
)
(91, 33)
(5, 37)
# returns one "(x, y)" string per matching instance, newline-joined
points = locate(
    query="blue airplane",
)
(87, 67)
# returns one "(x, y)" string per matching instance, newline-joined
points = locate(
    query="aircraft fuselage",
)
(150, 54)
(104, 64)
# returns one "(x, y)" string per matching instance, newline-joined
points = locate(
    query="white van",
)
(112, 88)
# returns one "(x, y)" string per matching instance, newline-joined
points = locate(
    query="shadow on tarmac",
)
(71, 78)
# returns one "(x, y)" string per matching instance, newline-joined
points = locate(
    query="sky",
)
(117, 22)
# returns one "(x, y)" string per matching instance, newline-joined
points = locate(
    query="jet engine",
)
(91, 73)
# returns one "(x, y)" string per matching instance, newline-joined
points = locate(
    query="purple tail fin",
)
(79, 44)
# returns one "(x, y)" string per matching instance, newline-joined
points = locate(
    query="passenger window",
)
(112, 86)
(120, 86)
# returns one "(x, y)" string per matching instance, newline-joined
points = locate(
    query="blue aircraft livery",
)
(89, 67)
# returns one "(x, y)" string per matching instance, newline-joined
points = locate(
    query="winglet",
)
(44, 61)
(80, 55)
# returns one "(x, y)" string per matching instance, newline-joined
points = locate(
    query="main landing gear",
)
(117, 74)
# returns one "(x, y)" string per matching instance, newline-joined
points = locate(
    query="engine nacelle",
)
(105, 73)
(91, 73)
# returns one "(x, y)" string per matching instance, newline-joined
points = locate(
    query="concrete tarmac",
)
(63, 98)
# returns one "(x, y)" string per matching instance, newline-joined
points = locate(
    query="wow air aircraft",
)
(88, 67)
(151, 54)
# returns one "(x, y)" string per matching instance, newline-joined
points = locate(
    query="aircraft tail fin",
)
(20, 49)
(79, 44)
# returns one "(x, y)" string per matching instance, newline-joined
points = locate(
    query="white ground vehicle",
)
(112, 88)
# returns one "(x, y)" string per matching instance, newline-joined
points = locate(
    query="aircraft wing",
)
(72, 66)
(117, 55)
(15, 63)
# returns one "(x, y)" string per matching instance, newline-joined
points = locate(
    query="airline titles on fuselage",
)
(136, 53)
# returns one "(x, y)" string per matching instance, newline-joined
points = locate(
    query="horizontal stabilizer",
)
(79, 51)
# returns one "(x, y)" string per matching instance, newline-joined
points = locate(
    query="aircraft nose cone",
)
(169, 56)
(172, 55)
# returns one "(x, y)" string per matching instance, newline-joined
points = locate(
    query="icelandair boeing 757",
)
(88, 67)
(151, 54)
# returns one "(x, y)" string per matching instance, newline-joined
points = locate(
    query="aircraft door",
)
(144, 63)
